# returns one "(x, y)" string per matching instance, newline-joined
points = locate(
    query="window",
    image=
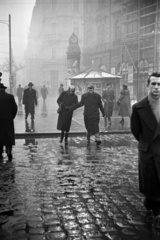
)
(144, 21)
(131, 28)
(145, 3)
(117, 29)
(75, 5)
(88, 6)
(76, 28)
(54, 53)
(101, 3)
(54, 30)
(54, 2)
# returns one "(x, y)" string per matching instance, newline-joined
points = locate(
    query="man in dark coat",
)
(8, 110)
(145, 126)
(108, 97)
(65, 100)
(92, 103)
(29, 101)
(44, 92)
(19, 94)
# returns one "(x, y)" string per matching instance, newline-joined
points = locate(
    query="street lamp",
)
(10, 52)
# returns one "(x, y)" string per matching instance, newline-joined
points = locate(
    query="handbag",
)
(59, 109)
(118, 103)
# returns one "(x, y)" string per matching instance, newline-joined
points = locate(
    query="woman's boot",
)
(66, 138)
(88, 138)
(61, 138)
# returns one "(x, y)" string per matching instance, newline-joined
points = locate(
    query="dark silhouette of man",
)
(8, 110)
(29, 101)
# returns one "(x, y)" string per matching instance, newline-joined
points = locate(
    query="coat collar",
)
(147, 115)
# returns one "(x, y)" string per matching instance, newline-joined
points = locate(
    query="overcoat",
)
(92, 103)
(125, 103)
(109, 96)
(29, 100)
(65, 116)
(8, 110)
(146, 130)
(19, 93)
(44, 92)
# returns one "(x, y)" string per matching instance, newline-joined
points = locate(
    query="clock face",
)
(74, 39)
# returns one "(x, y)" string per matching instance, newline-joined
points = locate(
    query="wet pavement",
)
(46, 119)
(77, 192)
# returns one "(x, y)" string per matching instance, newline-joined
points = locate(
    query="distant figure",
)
(108, 97)
(30, 100)
(61, 89)
(8, 110)
(19, 94)
(65, 100)
(44, 92)
(125, 103)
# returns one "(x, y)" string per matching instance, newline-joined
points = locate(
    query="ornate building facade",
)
(53, 22)
(120, 36)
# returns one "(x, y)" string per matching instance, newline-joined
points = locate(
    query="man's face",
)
(154, 87)
(90, 90)
(109, 87)
(71, 90)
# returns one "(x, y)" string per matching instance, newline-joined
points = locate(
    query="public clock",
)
(74, 39)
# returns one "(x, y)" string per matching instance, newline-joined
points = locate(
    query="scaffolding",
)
(131, 45)
(139, 43)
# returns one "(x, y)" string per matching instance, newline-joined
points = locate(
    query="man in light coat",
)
(8, 110)
(145, 126)
(108, 97)
(19, 94)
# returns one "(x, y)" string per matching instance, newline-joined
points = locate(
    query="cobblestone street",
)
(53, 192)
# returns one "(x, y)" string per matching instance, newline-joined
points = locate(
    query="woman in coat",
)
(8, 110)
(66, 99)
(125, 103)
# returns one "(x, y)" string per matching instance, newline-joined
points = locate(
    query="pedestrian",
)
(66, 99)
(29, 100)
(108, 97)
(92, 103)
(145, 126)
(44, 92)
(8, 110)
(61, 89)
(125, 103)
(19, 94)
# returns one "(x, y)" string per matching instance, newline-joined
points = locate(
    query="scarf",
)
(155, 106)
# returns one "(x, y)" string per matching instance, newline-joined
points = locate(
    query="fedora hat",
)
(30, 84)
(1, 84)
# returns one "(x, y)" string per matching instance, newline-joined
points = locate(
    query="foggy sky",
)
(21, 12)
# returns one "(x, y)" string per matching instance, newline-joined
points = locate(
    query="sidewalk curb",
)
(57, 134)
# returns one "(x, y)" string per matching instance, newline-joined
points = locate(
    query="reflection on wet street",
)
(50, 191)
(46, 119)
